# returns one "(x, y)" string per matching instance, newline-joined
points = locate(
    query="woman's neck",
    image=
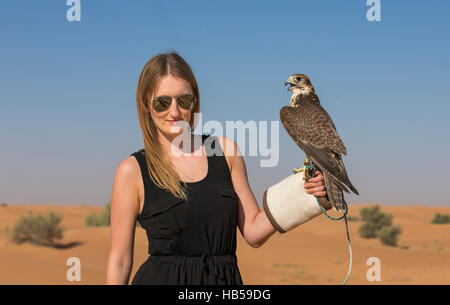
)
(178, 145)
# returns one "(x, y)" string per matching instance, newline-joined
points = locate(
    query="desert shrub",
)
(94, 220)
(107, 214)
(388, 235)
(39, 230)
(376, 216)
(352, 218)
(441, 219)
(375, 220)
(104, 219)
(369, 213)
(368, 230)
(378, 224)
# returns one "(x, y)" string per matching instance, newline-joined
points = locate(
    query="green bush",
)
(378, 224)
(352, 218)
(106, 216)
(376, 216)
(368, 230)
(39, 230)
(375, 220)
(388, 235)
(369, 213)
(441, 219)
(104, 219)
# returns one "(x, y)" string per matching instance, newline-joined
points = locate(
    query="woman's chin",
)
(177, 128)
(173, 132)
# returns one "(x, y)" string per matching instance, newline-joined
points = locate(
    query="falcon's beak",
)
(290, 82)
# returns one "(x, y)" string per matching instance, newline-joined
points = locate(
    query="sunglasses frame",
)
(194, 100)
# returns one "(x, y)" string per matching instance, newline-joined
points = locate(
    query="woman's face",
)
(170, 86)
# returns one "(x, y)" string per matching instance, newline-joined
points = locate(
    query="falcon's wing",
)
(312, 129)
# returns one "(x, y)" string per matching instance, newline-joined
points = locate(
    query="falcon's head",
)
(299, 84)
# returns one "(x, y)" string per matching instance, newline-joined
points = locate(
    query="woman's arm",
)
(124, 210)
(253, 223)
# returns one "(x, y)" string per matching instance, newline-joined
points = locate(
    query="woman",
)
(189, 204)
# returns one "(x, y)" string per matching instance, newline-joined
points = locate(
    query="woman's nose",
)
(174, 111)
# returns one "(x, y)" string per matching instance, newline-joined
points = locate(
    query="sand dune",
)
(314, 253)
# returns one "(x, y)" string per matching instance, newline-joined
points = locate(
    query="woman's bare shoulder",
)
(128, 168)
(126, 187)
(230, 150)
(229, 147)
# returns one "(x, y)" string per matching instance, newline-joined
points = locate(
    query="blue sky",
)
(67, 89)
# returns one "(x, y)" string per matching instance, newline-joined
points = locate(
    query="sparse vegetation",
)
(38, 230)
(376, 216)
(104, 219)
(374, 221)
(352, 218)
(368, 230)
(388, 235)
(378, 224)
(3, 204)
(441, 219)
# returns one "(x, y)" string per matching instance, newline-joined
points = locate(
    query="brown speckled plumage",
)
(313, 130)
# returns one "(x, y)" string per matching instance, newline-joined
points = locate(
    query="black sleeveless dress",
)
(193, 241)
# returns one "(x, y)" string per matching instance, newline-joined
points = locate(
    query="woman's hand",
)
(316, 185)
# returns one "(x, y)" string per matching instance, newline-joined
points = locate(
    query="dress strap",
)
(140, 157)
(222, 175)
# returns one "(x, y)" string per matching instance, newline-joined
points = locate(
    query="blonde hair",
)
(160, 169)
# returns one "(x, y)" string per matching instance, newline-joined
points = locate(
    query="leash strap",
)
(313, 167)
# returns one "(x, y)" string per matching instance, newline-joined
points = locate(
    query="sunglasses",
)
(162, 103)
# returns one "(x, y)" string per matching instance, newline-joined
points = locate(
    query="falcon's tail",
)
(347, 182)
(335, 194)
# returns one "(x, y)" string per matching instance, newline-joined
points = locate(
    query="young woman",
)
(189, 204)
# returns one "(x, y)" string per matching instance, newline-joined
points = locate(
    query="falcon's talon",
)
(307, 170)
(298, 170)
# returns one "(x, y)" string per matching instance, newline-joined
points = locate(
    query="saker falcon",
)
(313, 130)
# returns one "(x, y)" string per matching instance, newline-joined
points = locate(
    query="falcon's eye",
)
(298, 79)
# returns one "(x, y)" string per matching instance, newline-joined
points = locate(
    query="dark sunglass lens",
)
(162, 103)
(186, 101)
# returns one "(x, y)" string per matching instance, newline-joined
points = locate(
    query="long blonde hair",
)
(159, 166)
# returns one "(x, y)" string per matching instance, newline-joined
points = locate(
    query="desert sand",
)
(313, 253)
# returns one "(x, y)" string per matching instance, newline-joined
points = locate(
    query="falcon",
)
(313, 130)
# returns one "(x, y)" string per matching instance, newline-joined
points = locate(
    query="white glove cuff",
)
(287, 205)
